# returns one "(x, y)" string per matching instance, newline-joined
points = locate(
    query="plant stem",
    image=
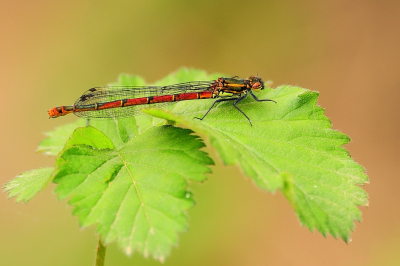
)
(100, 253)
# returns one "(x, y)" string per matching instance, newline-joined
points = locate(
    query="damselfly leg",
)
(238, 100)
(217, 101)
(258, 100)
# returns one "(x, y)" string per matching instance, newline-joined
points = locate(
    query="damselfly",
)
(116, 102)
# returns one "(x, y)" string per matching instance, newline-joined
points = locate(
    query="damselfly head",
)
(256, 83)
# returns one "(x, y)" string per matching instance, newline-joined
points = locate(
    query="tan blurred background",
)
(349, 51)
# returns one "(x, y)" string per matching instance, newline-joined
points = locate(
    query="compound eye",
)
(257, 86)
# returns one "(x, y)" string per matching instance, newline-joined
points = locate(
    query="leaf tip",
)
(346, 238)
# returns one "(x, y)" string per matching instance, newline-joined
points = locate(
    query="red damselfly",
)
(116, 102)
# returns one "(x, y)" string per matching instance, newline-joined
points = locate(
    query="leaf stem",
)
(100, 253)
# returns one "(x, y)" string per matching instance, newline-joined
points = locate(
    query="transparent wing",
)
(101, 95)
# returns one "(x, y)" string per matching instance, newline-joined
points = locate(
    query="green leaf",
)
(290, 147)
(135, 193)
(28, 184)
(89, 136)
(55, 140)
(119, 131)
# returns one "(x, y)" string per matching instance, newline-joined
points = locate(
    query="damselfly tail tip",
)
(60, 111)
(54, 112)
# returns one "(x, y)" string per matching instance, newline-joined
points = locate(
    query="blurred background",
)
(52, 51)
